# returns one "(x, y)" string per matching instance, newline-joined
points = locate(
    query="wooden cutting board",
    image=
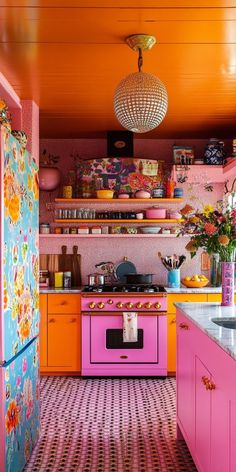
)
(71, 263)
(53, 266)
(65, 260)
(76, 267)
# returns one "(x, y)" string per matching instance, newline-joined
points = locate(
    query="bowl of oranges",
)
(196, 281)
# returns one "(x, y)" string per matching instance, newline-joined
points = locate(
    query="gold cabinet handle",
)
(52, 320)
(73, 320)
(124, 357)
(209, 385)
(184, 326)
(173, 321)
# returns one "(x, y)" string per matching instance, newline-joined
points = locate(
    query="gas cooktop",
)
(123, 288)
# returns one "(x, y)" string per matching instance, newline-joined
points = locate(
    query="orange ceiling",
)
(69, 56)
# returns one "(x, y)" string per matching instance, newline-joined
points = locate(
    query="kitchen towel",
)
(130, 327)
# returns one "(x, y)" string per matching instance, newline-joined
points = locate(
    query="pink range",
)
(103, 351)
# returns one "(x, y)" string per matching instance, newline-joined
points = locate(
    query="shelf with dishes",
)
(118, 200)
(114, 235)
(113, 220)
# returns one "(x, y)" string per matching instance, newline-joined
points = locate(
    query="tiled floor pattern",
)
(108, 425)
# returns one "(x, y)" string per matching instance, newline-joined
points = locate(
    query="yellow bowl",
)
(194, 283)
(105, 193)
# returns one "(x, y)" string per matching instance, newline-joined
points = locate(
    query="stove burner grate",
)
(122, 288)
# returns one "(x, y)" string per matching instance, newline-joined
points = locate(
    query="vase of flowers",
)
(214, 230)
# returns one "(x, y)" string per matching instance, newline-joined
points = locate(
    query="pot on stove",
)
(138, 278)
(96, 279)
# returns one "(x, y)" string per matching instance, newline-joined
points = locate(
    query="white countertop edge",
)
(194, 290)
(60, 290)
(201, 314)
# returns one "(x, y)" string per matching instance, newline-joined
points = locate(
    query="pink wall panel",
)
(141, 251)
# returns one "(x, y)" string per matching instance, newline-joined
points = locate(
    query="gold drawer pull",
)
(52, 320)
(73, 320)
(64, 302)
(208, 383)
(184, 326)
(124, 357)
(173, 321)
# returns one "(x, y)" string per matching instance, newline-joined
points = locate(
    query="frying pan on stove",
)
(123, 268)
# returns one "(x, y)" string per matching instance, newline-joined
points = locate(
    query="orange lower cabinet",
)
(64, 342)
(43, 339)
(216, 297)
(171, 343)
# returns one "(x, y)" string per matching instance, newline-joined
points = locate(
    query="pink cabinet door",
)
(102, 350)
(185, 383)
(203, 415)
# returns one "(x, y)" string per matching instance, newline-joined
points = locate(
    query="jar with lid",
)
(69, 185)
(44, 228)
(214, 152)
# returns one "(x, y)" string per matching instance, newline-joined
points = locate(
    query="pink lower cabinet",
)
(206, 398)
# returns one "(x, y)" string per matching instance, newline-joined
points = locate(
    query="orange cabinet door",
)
(43, 337)
(171, 343)
(184, 297)
(64, 342)
(64, 303)
(216, 297)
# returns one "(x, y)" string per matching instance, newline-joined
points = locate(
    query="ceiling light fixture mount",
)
(141, 99)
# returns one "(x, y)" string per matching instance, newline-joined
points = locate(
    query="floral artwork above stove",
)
(123, 174)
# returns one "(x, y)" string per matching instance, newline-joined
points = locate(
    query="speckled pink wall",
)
(30, 124)
(141, 251)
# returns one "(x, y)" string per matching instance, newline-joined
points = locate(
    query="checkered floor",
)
(108, 425)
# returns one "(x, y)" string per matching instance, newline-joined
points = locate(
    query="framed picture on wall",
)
(119, 144)
(183, 155)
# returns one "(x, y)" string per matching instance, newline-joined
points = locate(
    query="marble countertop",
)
(194, 290)
(168, 290)
(60, 290)
(201, 315)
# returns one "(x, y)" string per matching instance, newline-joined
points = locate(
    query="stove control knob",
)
(148, 305)
(110, 302)
(100, 305)
(129, 305)
(157, 305)
(139, 305)
(119, 305)
(92, 305)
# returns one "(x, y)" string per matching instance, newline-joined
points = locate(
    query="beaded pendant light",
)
(140, 100)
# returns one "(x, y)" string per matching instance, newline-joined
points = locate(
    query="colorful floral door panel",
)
(21, 381)
(19, 196)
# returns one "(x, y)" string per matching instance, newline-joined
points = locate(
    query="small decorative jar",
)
(214, 152)
(44, 228)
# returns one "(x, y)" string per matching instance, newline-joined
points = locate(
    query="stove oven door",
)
(107, 346)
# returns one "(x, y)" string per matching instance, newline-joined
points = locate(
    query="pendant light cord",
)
(140, 59)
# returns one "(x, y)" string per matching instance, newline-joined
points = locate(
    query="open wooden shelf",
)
(134, 221)
(119, 200)
(117, 235)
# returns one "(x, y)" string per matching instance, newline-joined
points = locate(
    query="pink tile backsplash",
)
(141, 251)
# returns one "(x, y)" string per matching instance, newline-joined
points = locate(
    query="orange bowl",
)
(194, 283)
(105, 193)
